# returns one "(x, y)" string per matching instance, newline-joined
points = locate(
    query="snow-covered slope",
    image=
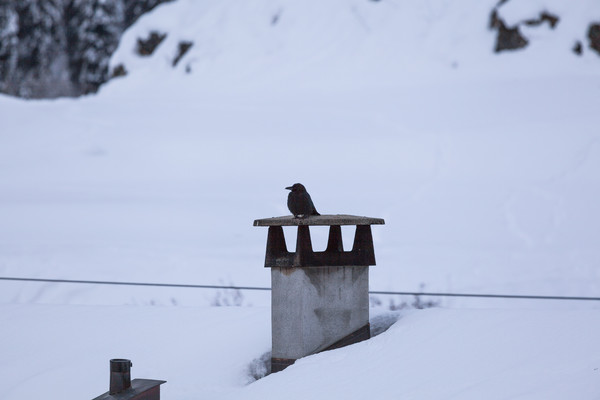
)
(485, 166)
(210, 353)
(265, 44)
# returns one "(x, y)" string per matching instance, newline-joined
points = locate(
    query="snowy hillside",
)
(266, 45)
(485, 167)
(426, 355)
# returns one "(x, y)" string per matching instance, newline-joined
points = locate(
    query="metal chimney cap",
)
(120, 364)
(327, 220)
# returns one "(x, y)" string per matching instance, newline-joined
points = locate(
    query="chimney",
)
(319, 299)
(123, 388)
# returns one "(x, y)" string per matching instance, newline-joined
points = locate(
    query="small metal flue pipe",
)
(120, 375)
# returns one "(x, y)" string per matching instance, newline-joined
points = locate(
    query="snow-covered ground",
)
(484, 166)
(211, 352)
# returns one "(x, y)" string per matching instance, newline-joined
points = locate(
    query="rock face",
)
(594, 37)
(509, 38)
(53, 48)
(146, 47)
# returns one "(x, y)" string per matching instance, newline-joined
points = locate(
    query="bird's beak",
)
(289, 188)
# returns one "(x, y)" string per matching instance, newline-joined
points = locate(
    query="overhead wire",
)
(233, 287)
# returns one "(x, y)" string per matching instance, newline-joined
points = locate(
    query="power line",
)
(494, 296)
(179, 285)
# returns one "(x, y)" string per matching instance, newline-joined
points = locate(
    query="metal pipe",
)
(120, 375)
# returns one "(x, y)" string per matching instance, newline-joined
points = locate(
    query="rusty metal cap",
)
(120, 365)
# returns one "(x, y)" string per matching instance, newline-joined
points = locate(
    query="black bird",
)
(299, 201)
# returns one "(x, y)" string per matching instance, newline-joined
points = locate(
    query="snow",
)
(70, 360)
(433, 354)
(209, 352)
(484, 166)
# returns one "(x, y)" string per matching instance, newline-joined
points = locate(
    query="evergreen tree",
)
(40, 38)
(94, 28)
(135, 8)
(51, 48)
(9, 23)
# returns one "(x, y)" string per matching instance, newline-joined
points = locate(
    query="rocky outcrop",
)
(145, 47)
(594, 37)
(510, 37)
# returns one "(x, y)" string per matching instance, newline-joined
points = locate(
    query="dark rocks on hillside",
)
(578, 48)
(145, 47)
(545, 16)
(594, 36)
(182, 49)
(118, 71)
(509, 38)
